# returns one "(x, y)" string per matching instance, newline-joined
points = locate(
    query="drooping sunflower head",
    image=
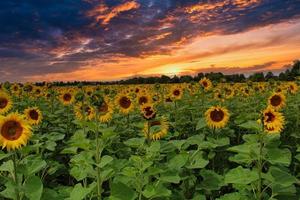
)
(148, 111)
(124, 103)
(273, 120)
(277, 100)
(14, 131)
(84, 111)
(156, 129)
(5, 103)
(67, 97)
(33, 115)
(293, 87)
(217, 117)
(206, 84)
(229, 93)
(105, 110)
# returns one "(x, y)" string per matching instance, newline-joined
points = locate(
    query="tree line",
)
(287, 75)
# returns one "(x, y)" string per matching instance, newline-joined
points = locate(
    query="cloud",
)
(39, 37)
(104, 14)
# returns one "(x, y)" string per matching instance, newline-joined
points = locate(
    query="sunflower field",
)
(204, 140)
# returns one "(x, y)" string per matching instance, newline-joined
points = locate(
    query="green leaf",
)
(297, 157)
(33, 188)
(241, 176)
(120, 191)
(201, 123)
(7, 166)
(34, 165)
(4, 155)
(156, 191)
(170, 177)
(279, 156)
(211, 180)
(79, 192)
(9, 191)
(135, 142)
(196, 161)
(232, 196)
(282, 177)
(178, 161)
(105, 160)
(252, 125)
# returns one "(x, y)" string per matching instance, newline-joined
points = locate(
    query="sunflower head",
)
(67, 98)
(206, 84)
(277, 101)
(5, 103)
(176, 92)
(273, 121)
(84, 112)
(105, 110)
(217, 117)
(143, 99)
(33, 115)
(148, 111)
(293, 87)
(124, 103)
(14, 131)
(156, 129)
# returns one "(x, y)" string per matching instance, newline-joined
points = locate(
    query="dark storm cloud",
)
(59, 36)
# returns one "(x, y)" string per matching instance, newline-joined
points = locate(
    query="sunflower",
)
(5, 103)
(176, 92)
(15, 88)
(67, 98)
(217, 117)
(229, 93)
(105, 111)
(277, 100)
(143, 98)
(148, 111)
(206, 84)
(84, 112)
(273, 120)
(33, 115)
(156, 129)
(14, 131)
(218, 95)
(293, 87)
(124, 103)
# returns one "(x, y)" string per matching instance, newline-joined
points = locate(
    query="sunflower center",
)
(155, 123)
(88, 110)
(270, 117)
(103, 108)
(176, 92)
(3, 102)
(276, 100)
(11, 130)
(217, 115)
(143, 100)
(148, 111)
(205, 84)
(67, 97)
(34, 114)
(125, 102)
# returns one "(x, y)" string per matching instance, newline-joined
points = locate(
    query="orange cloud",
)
(104, 15)
(276, 46)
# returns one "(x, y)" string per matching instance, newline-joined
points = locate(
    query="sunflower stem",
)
(98, 155)
(15, 176)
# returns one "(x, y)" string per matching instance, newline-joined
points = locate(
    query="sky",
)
(105, 40)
